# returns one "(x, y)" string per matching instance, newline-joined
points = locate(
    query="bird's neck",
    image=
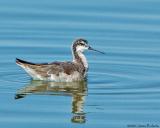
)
(79, 57)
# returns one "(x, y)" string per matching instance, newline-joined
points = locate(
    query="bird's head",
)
(81, 45)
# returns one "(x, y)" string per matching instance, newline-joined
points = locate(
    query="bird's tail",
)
(22, 62)
(28, 67)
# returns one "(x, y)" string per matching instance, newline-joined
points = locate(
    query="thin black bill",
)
(90, 48)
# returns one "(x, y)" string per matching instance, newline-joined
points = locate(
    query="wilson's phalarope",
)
(61, 71)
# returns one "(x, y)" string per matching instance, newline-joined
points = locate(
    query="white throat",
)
(83, 58)
(79, 51)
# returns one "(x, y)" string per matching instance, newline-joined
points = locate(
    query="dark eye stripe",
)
(81, 43)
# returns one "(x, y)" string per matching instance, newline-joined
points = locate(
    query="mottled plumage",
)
(61, 71)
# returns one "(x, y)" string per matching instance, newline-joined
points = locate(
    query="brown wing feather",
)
(66, 67)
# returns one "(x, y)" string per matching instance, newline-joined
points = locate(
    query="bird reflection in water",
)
(77, 90)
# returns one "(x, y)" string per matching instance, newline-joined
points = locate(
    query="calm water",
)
(123, 87)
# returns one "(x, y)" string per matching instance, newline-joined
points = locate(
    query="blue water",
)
(123, 88)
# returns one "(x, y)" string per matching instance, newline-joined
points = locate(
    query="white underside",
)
(63, 77)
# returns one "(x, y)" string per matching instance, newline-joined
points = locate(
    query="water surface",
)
(123, 87)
